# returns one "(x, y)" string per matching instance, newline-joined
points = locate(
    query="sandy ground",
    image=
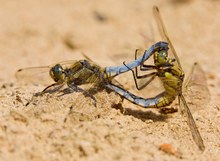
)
(49, 31)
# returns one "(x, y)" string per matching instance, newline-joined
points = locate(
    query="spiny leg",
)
(146, 67)
(143, 67)
(46, 90)
(135, 76)
(49, 90)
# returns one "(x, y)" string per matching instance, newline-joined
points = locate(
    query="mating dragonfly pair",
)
(166, 68)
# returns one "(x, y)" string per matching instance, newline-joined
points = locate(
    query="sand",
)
(39, 33)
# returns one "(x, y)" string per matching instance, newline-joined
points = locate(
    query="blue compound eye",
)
(57, 73)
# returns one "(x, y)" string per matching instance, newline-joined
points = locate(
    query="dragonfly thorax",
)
(57, 73)
(172, 79)
(170, 74)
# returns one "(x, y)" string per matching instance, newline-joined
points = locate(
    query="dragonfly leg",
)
(136, 76)
(75, 88)
(146, 67)
(50, 89)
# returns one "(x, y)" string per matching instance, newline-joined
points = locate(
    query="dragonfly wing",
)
(81, 103)
(38, 75)
(196, 88)
(192, 125)
(164, 34)
(66, 64)
(90, 92)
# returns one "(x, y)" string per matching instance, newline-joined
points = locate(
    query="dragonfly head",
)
(161, 58)
(57, 73)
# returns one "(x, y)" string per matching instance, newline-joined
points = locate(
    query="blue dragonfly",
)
(75, 73)
(168, 69)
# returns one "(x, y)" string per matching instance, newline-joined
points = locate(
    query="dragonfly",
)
(171, 74)
(75, 73)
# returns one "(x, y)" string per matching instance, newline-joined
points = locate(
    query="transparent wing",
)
(183, 105)
(84, 102)
(93, 104)
(92, 100)
(81, 99)
(66, 64)
(164, 34)
(196, 88)
(39, 75)
(192, 125)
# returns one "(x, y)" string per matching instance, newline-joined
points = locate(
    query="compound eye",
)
(161, 58)
(58, 69)
(56, 73)
(163, 53)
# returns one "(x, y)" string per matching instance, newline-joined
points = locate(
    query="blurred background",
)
(44, 32)
(36, 33)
